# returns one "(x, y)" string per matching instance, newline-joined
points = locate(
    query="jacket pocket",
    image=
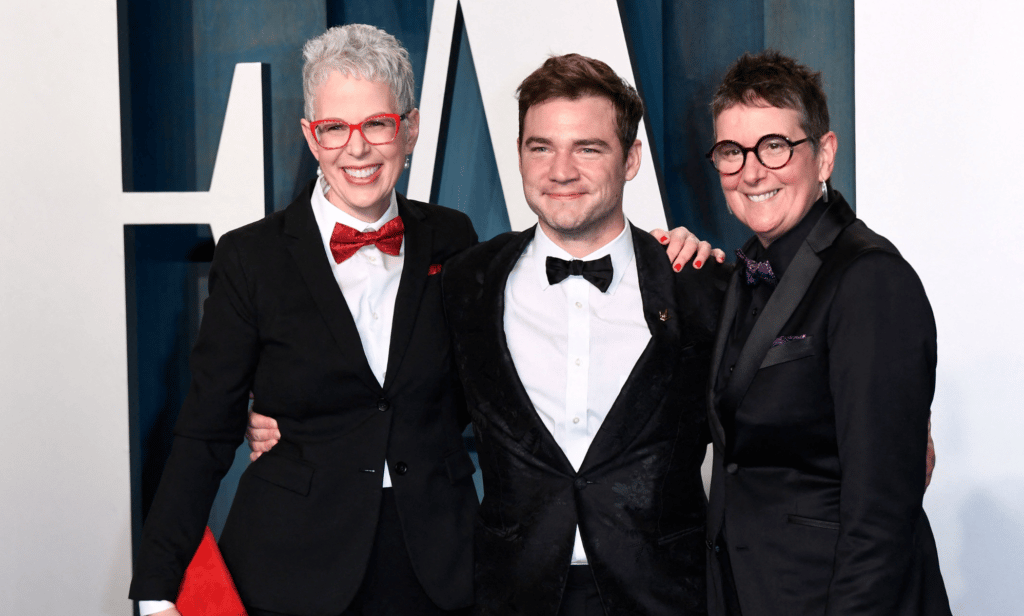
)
(824, 524)
(459, 466)
(287, 473)
(794, 349)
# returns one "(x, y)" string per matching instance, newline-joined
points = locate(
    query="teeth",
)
(364, 172)
(764, 197)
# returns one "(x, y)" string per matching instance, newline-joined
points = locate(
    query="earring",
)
(323, 180)
(406, 162)
(824, 191)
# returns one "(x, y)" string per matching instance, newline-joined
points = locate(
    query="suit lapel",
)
(520, 416)
(728, 313)
(791, 290)
(419, 239)
(653, 372)
(307, 248)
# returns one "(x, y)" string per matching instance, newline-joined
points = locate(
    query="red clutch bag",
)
(207, 589)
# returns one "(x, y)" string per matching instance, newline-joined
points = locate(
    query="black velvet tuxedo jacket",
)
(638, 497)
(302, 524)
(819, 483)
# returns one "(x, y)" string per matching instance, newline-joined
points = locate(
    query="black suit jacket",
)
(638, 497)
(302, 524)
(819, 483)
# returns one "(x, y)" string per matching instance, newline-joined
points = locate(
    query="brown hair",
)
(573, 76)
(770, 77)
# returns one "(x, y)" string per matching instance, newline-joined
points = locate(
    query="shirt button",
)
(401, 468)
(575, 419)
(376, 316)
(371, 258)
(731, 368)
(754, 312)
(577, 361)
(579, 304)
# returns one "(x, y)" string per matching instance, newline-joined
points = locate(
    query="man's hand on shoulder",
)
(681, 246)
(262, 434)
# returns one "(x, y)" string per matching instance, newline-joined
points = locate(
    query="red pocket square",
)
(207, 589)
(434, 269)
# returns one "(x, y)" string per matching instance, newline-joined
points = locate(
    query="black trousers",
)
(581, 597)
(389, 587)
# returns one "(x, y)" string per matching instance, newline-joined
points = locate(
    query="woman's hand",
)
(681, 245)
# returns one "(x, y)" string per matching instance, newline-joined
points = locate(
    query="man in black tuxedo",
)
(584, 359)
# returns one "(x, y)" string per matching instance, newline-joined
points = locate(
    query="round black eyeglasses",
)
(772, 151)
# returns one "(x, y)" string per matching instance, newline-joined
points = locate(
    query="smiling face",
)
(361, 175)
(771, 202)
(574, 172)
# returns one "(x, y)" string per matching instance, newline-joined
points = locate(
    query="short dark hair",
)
(770, 77)
(573, 76)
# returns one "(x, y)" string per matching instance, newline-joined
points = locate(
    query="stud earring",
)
(406, 162)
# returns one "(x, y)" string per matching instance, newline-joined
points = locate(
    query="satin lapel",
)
(721, 337)
(307, 248)
(521, 417)
(419, 238)
(785, 299)
(642, 394)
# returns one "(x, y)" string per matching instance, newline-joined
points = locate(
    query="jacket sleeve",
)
(882, 374)
(210, 428)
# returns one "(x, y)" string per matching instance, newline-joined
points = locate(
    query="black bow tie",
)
(597, 272)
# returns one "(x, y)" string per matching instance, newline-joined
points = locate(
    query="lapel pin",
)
(664, 315)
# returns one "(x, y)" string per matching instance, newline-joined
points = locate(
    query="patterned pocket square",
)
(784, 339)
(434, 269)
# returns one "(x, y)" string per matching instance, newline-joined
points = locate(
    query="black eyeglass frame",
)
(757, 146)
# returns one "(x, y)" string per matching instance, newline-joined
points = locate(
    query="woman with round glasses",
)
(825, 369)
(330, 313)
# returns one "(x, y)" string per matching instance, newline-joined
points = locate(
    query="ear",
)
(412, 130)
(310, 141)
(633, 160)
(827, 155)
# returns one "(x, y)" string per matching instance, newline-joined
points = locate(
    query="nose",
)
(357, 145)
(563, 169)
(753, 171)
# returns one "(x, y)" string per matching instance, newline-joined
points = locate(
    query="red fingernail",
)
(664, 239)
(677, 267)
(697, 264)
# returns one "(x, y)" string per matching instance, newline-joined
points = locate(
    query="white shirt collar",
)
(327, 214)
(620, 249)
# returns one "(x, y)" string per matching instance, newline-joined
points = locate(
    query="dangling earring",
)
(824, 191)
(406, 162)
(323, 180)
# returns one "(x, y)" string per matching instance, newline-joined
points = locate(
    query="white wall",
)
(938, 116)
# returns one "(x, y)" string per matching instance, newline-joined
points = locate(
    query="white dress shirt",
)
(369, 281)
(572, 345)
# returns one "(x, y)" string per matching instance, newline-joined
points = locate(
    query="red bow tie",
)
(345, 241)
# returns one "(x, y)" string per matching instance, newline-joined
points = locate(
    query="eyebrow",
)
(578, 143)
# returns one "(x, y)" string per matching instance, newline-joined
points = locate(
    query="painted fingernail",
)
(697, 264)
(677, 267)
(721, 259)
(664, 239)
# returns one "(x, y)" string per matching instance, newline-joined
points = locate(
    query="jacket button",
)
(732, 468)
(401, 468)
(718, 549)
(710, 544)
(580, 483)
(382, 405)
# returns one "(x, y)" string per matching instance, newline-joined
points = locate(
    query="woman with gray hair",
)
(330, 313)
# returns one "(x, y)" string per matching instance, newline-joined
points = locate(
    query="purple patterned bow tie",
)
(757, 270)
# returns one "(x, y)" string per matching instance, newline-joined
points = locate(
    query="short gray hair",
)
(358, 50)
